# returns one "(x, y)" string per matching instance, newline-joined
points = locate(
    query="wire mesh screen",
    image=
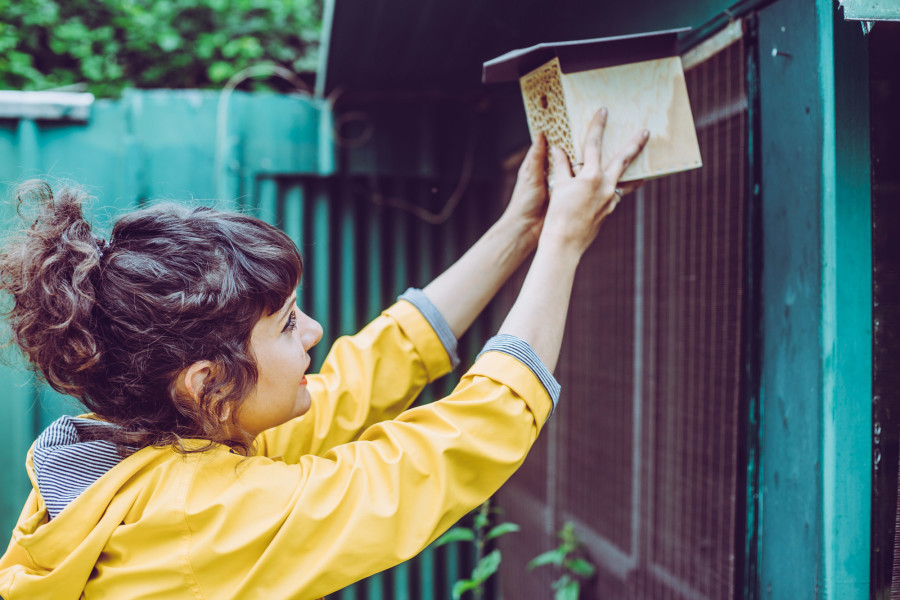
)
(884, 94)
(642, 453)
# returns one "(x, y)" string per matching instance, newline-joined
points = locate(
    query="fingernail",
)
(603, 112)
(646, 134)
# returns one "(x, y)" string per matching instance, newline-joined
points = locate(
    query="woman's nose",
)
(312, 332)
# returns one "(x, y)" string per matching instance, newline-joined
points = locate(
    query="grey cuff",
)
(519, 349)
(417, 298)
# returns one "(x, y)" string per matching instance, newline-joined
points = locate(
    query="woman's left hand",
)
(528, 204)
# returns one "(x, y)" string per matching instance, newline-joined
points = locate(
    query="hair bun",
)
(102, 245)
(56, 258)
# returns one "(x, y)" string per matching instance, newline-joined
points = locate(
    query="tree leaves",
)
(112, 44)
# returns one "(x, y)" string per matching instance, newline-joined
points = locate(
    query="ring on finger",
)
(619, 192)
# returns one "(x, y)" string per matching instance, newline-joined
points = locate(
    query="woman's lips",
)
(303, 381)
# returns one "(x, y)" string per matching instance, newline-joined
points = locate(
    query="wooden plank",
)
(53, 106)
(712, 46)
(646, 95)
(871, 10)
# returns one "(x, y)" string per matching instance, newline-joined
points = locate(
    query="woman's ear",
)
(194, 378)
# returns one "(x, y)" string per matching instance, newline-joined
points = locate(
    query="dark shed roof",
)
(440, 45)
(581, 55)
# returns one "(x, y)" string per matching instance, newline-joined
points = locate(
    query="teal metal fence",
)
(271, 156)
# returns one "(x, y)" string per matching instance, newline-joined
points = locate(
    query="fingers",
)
(535, 158)
(562, 168)
(593, 142)
(627, 188)
(617, 167)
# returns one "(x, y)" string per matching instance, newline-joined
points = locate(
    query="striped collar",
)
(69, 456)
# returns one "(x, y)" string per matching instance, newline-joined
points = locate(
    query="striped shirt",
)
(69, 456)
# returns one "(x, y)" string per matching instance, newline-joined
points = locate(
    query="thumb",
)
(562, 168)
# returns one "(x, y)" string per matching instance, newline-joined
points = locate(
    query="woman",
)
(211, 465)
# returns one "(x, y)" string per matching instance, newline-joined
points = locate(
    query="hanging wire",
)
(260, 70)
(462, 184)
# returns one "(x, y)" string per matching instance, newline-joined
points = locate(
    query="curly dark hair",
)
(113, 324)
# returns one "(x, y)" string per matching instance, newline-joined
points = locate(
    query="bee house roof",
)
(583, 55)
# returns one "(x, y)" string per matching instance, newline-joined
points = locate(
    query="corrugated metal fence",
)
(272, 156)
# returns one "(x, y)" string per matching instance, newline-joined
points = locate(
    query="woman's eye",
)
(291, 322)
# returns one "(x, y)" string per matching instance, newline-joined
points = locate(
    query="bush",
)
(112, 44)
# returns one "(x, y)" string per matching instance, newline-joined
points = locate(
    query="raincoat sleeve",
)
(366, 378)
(267, 528)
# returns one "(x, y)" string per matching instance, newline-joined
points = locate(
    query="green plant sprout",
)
(568, 556)
(479, 534)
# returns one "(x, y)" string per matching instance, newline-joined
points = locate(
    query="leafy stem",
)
(479, 535)
(569, 557)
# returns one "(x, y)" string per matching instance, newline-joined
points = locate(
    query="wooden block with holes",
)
(640, 80)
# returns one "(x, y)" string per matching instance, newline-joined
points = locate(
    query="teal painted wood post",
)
(816, 289)
(348, 323)
(374, 268)
(320, 271)
(400, 223)
(266, 201)
(29, 148)
(847, 306)
(375, 587)
(790, 560)
(377, 256)
(424, 239)
(292, 209)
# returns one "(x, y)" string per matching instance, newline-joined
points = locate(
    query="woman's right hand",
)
(579, 203)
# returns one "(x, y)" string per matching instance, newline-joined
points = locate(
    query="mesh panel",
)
(884, 47)
(642, 453)
(596, 368)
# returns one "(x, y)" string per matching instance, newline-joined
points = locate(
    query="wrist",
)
(561, 249)
(522, 231)
(560, 243)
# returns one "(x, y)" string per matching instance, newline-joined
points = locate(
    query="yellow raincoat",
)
(353, 487)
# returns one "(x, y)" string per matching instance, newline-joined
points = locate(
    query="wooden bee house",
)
(640, 80)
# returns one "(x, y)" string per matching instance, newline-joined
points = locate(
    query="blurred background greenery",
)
(104, 46)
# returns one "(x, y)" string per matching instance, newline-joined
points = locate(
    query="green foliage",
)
(112, 44)
(501, 529)
(457, 534)
(484, 569)
(568, 556)
(479, 534)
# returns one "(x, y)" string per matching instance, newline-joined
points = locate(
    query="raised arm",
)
(463, 290)
(578, 206)
(376, 374)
